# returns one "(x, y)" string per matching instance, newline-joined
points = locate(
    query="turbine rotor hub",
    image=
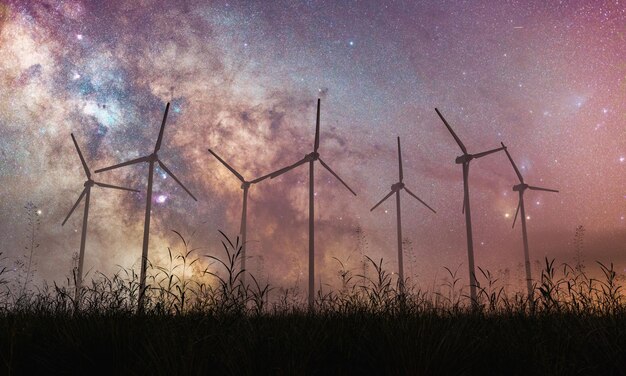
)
(520, 187)
(245, 185)
(89, 183)
(465, 158)
(398, 186)
(314, 156)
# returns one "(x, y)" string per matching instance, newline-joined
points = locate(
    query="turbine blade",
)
(238, 175)
(519, 203)
(82, 159)
(400, 161)
(317, 127)
(336, 176)
(75, 205)
(127, 163)
(160, 139)
(519, 175)
(170, 173)
(456, 138)
(103, 185)
(383, 200)
(419, 199)
(257, 180)
(285, 169)
(484, 153)
(542, 189)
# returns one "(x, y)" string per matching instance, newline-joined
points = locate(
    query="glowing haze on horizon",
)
(547, 80)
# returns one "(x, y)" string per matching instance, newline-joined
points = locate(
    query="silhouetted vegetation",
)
(204, 320)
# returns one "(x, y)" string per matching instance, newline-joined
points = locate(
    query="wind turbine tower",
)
(465, 160)
(86, 193)
(311, 158)
(396, 188)
(151, 159)
(245, 185)
(520, 189)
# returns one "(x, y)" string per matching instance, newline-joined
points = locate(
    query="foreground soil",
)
(322, 344)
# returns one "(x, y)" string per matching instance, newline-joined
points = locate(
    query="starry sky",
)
(546, 78)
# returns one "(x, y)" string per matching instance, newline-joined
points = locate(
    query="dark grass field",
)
(321, 344)
(574, 325)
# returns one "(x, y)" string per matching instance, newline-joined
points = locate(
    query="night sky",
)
(243, 79)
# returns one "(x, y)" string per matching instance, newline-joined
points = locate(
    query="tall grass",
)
(200, 319)
(182, 286)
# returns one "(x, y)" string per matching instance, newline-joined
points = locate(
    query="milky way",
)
(243, 79)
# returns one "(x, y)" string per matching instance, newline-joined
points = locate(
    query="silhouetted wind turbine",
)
(521, 188)
(151, 159)
(311, 158)
(395, 188)
(245, 185)
(465, 160)
(86, 193)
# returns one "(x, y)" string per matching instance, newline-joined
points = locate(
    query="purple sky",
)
(243, 79)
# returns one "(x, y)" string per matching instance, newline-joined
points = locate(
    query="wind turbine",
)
(311, 158)
(245, 185)
(86, 193)
(521, 188)
(465, 160)
(151, 159)
(395, 188)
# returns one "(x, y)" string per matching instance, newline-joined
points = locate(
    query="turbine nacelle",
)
(520, 187)
(245, 184)
(396, 187)
(89, 183)
(465, 158)
(314, 156)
